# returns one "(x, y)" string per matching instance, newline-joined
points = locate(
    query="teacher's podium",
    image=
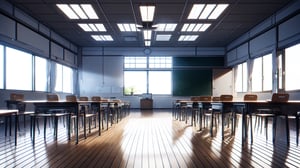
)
(146, 102)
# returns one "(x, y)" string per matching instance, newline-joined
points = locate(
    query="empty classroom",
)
(145, 83)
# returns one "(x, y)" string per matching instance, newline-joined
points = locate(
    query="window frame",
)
(158, 63)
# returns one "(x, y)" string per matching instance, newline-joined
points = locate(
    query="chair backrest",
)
(96, 98)
(250, 97)
(216, 99)
(280, 97)
(226, 97)
(205, 98)
(52, 97)
(71, 98)
(195, 98)
(83, 98)
(17, 96)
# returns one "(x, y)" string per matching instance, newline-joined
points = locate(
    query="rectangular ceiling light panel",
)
(188, 38)
(163, 37)
(102, 37)
(193, 27)
(207, 11)
(166, 27)
(127, 27)
(92, 27)
(147, 13)
(78, 11)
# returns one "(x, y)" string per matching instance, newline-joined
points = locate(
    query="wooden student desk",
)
(5, 112)
(248, 107)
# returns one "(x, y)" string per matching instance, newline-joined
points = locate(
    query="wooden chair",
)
(237, 113)
(216, 111)
(204, 109)
(53, 115)
(21, 106)
(88, 112)
(272, 112)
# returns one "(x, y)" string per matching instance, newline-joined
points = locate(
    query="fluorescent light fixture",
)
(92, 27)
(218, 11)
(68, 11)
(147, 34)
(166, 27)
(204, 27)
(147, 13)
(207, 11)
(78, 11)
(127, 27)
(188, 37)
(196, 10)
(163, 37)
(193, 27)
(147, 43)
(89, 10)
(102, 37)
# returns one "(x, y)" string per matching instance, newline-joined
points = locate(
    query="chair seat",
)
(266, 115)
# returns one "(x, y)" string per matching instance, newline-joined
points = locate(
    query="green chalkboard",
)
(195, 82)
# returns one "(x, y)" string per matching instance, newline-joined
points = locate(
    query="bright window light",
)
(292, 68)
(196, 10)
(163, 37)
(1, 67)
(20, 79)
(147, 13)
(218, 11)
(160, 82)
(147, 34)
(78, 11)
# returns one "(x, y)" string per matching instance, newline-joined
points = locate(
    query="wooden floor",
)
(148, 139)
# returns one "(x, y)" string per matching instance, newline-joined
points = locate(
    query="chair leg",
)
(297, 129)
(287, 130)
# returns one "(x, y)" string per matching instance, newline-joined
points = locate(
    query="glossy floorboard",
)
(148, 139)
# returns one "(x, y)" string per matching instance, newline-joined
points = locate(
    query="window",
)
(160, 82)
(292, 68)
(18, 69)
(1, 67)
(58, 78)
(160, 62)
(135, 82)
(241, 78)
(147, 75)
(41, 74)
(64, 79)
(135, 62)
(262, 74)
(68, 79)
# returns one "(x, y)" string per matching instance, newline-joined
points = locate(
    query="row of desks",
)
(246, 108)
(43, 105)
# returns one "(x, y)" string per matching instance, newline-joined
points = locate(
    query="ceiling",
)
(239, 17)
